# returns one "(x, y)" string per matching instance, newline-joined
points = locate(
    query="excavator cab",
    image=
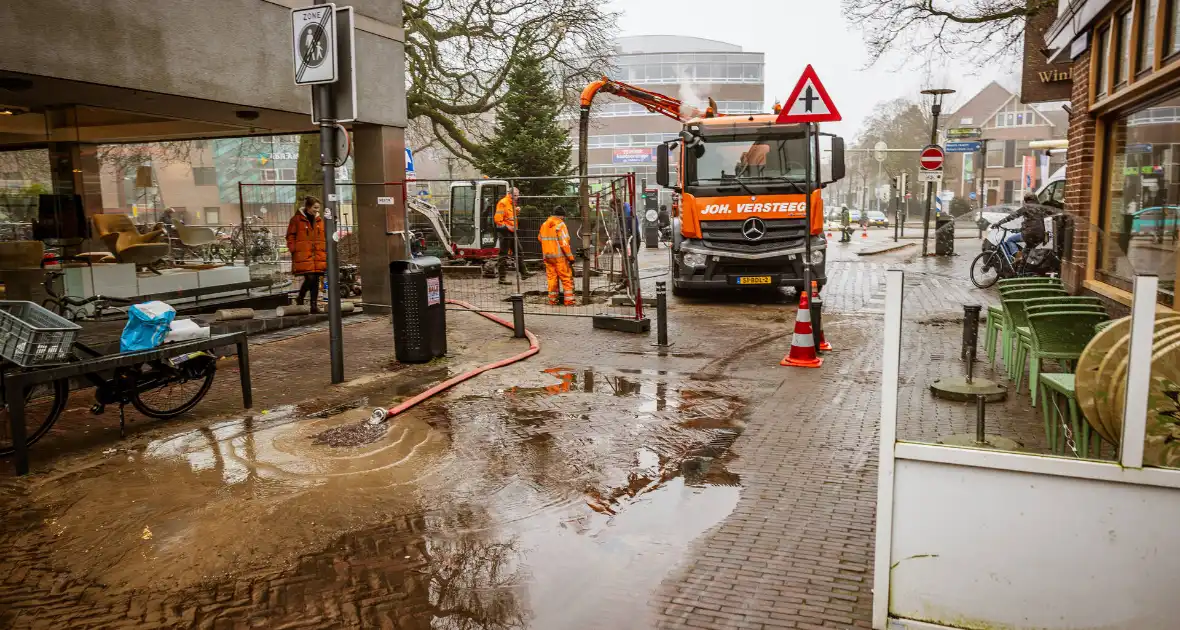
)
(473, 211)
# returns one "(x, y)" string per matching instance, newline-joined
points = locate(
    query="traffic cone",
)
(824, 346)
(865, 233)
(802, 352)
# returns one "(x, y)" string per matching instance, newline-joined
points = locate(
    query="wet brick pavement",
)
(598, 485)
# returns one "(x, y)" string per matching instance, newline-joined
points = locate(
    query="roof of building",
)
(980, 107)
(643, 44)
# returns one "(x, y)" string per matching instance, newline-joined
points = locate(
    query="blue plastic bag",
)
(147, 324)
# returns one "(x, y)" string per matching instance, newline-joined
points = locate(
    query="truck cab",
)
(743, 187)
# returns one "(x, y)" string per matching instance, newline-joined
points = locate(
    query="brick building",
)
(1009, 127)
(1122, 58)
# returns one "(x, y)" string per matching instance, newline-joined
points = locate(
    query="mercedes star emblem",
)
(754, 229)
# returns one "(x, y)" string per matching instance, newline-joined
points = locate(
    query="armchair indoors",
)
(127, 244)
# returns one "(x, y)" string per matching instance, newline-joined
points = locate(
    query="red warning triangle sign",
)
(809, 102)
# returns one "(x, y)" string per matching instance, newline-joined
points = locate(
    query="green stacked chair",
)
(996, 324)
(1015, 320)
(1056, 386)
(1060, 334)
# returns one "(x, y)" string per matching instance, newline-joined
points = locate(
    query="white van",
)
(1052, 193)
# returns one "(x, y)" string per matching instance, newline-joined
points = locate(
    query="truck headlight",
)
(817, 257)
(693, 260)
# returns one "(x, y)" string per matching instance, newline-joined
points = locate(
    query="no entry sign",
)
(931, 158)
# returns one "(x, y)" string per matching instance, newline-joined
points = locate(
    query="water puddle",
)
(553, 505)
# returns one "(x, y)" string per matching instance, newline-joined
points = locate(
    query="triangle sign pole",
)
(809, 102)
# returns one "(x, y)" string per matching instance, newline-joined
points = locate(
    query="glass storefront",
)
(1139, 220)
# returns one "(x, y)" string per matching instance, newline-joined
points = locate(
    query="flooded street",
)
(546, 497)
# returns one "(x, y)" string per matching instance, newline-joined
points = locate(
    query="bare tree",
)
(973, 30)
(459, 54)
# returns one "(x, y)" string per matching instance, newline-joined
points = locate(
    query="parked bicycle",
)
(74, 308)
(994, 262)
(248, 237)
(158, 389)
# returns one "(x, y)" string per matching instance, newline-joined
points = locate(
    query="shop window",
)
(212, 216)
(1145, 56)
(1101, 46)
(1139, 219)
(1122, 55)
(204, 176)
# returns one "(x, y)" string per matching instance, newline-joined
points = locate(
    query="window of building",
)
(1101, 46)
(1009, 190)
(1122, 55)
(213, 216)
(1139, 217)
(1145, 56)
(286, 175)
(1172, 28)
(995, 154)
(269, 175)
(204, 176)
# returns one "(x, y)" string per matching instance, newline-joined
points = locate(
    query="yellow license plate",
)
(754, 280)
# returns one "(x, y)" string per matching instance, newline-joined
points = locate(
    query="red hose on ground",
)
(534, 348)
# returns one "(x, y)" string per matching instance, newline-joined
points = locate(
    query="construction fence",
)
(454, 221)
(461, 213)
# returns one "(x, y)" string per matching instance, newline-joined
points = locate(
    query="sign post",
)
(315, 40)
(809, 103)
(930, 162)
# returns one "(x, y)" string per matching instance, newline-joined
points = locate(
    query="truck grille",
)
(780, 234)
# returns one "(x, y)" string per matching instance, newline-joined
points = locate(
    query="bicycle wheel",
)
(180, 390)
(43, 405)
(985, 269)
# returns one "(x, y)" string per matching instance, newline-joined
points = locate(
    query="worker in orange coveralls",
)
(559, 259)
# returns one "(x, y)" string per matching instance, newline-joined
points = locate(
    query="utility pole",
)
(935, 110)
(325, 100)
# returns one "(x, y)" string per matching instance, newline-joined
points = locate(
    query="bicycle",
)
(160, 389)
(995, 258)
(73, 308)
(258, 241)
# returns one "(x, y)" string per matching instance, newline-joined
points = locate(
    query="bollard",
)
(661, 314)
(517, 315)
(970, 328)
(292, 309)
(980, 410)
(816, 306)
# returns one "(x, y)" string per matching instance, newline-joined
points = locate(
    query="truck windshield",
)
(760, 158)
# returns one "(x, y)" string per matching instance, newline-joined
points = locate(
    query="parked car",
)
(991, 214)
(878, 219)
(1155, 220)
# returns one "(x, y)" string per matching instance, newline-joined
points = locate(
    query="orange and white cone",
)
(824, 346)
(864, 233)
(802, 352)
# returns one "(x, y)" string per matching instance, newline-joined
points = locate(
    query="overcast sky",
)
(794, 33)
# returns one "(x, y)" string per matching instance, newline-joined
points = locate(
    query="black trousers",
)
(311, 282)
(507, 246)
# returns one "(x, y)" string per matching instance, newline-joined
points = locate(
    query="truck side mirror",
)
(837, 159)
(662, 174)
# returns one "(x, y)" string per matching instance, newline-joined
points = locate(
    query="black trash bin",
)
(419, 309)
(944, 236)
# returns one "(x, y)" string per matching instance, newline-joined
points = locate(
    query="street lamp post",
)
(935, 110)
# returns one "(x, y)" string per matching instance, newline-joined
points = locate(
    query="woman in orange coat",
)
(309, 250)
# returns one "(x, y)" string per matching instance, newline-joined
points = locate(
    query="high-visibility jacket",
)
(555, 240)
(506, 213)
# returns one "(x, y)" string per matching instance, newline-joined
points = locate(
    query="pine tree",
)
(528, 139)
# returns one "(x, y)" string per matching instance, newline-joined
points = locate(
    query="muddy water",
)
(553, 506)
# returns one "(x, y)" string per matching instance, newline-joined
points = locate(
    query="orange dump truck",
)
(742, 184)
